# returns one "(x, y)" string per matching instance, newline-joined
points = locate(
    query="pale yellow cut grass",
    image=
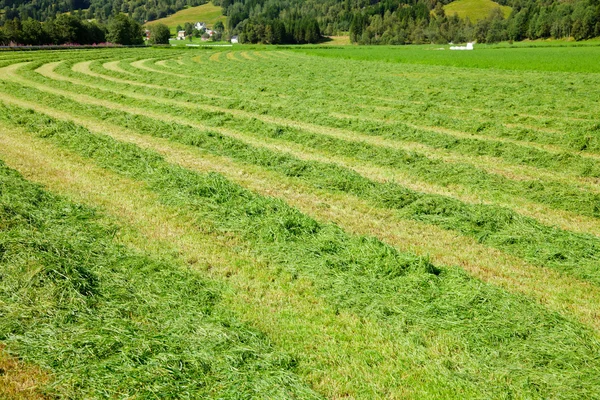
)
(114, 66)
(141, 65)
(19, 380)
(247, 56)
(556, 292)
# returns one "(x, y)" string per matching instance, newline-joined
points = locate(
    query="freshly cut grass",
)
(475, 9)
(110, 322)
(355, 324)
(557, 195)
(555, 291)
(474, 331)
(498, 227)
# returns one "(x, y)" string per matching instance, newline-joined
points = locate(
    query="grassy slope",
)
(207, 13)
(474, 9)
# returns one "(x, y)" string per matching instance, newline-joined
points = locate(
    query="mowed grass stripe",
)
(109, 322)
(283, 304)
(501, 229)
(353, 96)
(492, 226)
(554, 160)
(556, 195)
(556, 292)
(364, 276)
(489, 164)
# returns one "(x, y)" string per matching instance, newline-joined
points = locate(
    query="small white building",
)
(469, 46)
(181, 35)
(234, 39)
(199, 26)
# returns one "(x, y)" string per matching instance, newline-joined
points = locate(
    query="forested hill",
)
(414, 21)
(99, 10)
(366, 21)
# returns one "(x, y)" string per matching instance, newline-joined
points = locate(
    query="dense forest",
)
(413, 21)
(98, 10)
(306, 21)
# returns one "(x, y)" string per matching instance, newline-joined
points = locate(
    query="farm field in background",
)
(207, 13)
(474, 9)
(300, 222)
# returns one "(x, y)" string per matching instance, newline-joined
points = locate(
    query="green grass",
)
(112, 323)
(491, 334)
(207, 13)
(494, 226)
(376, 129)
(474, 9)
(562, 57)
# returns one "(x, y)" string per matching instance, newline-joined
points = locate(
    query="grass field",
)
(207, 13)
(256, 222)
(474, 9)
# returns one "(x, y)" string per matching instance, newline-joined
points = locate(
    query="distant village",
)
(201, 30)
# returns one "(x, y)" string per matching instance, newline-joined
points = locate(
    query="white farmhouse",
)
(181, 35)
(234, 39)
(199, 26)
(469, 46)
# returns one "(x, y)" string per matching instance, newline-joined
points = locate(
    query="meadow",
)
(300, 222)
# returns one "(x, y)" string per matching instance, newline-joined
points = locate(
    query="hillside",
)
(474, 9)
(208, 13)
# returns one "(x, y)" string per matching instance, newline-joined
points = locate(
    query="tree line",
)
(98, 10)
(406, 21)
(72, 29)
(301, 21)
(418, 24)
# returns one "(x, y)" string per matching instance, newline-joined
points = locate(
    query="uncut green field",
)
(300, 223)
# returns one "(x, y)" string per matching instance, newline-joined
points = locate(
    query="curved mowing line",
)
(560, 293)
(84, 68)
(465, 135)
(138, 167)
(215, 57)
(140, 112)
(231, 56)
(566, 220)
(140, 64)
(327, 132)
(279, 306)
(546, 148)
(247, 56)
(494, 138)
(355, 93)
(114, 66)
